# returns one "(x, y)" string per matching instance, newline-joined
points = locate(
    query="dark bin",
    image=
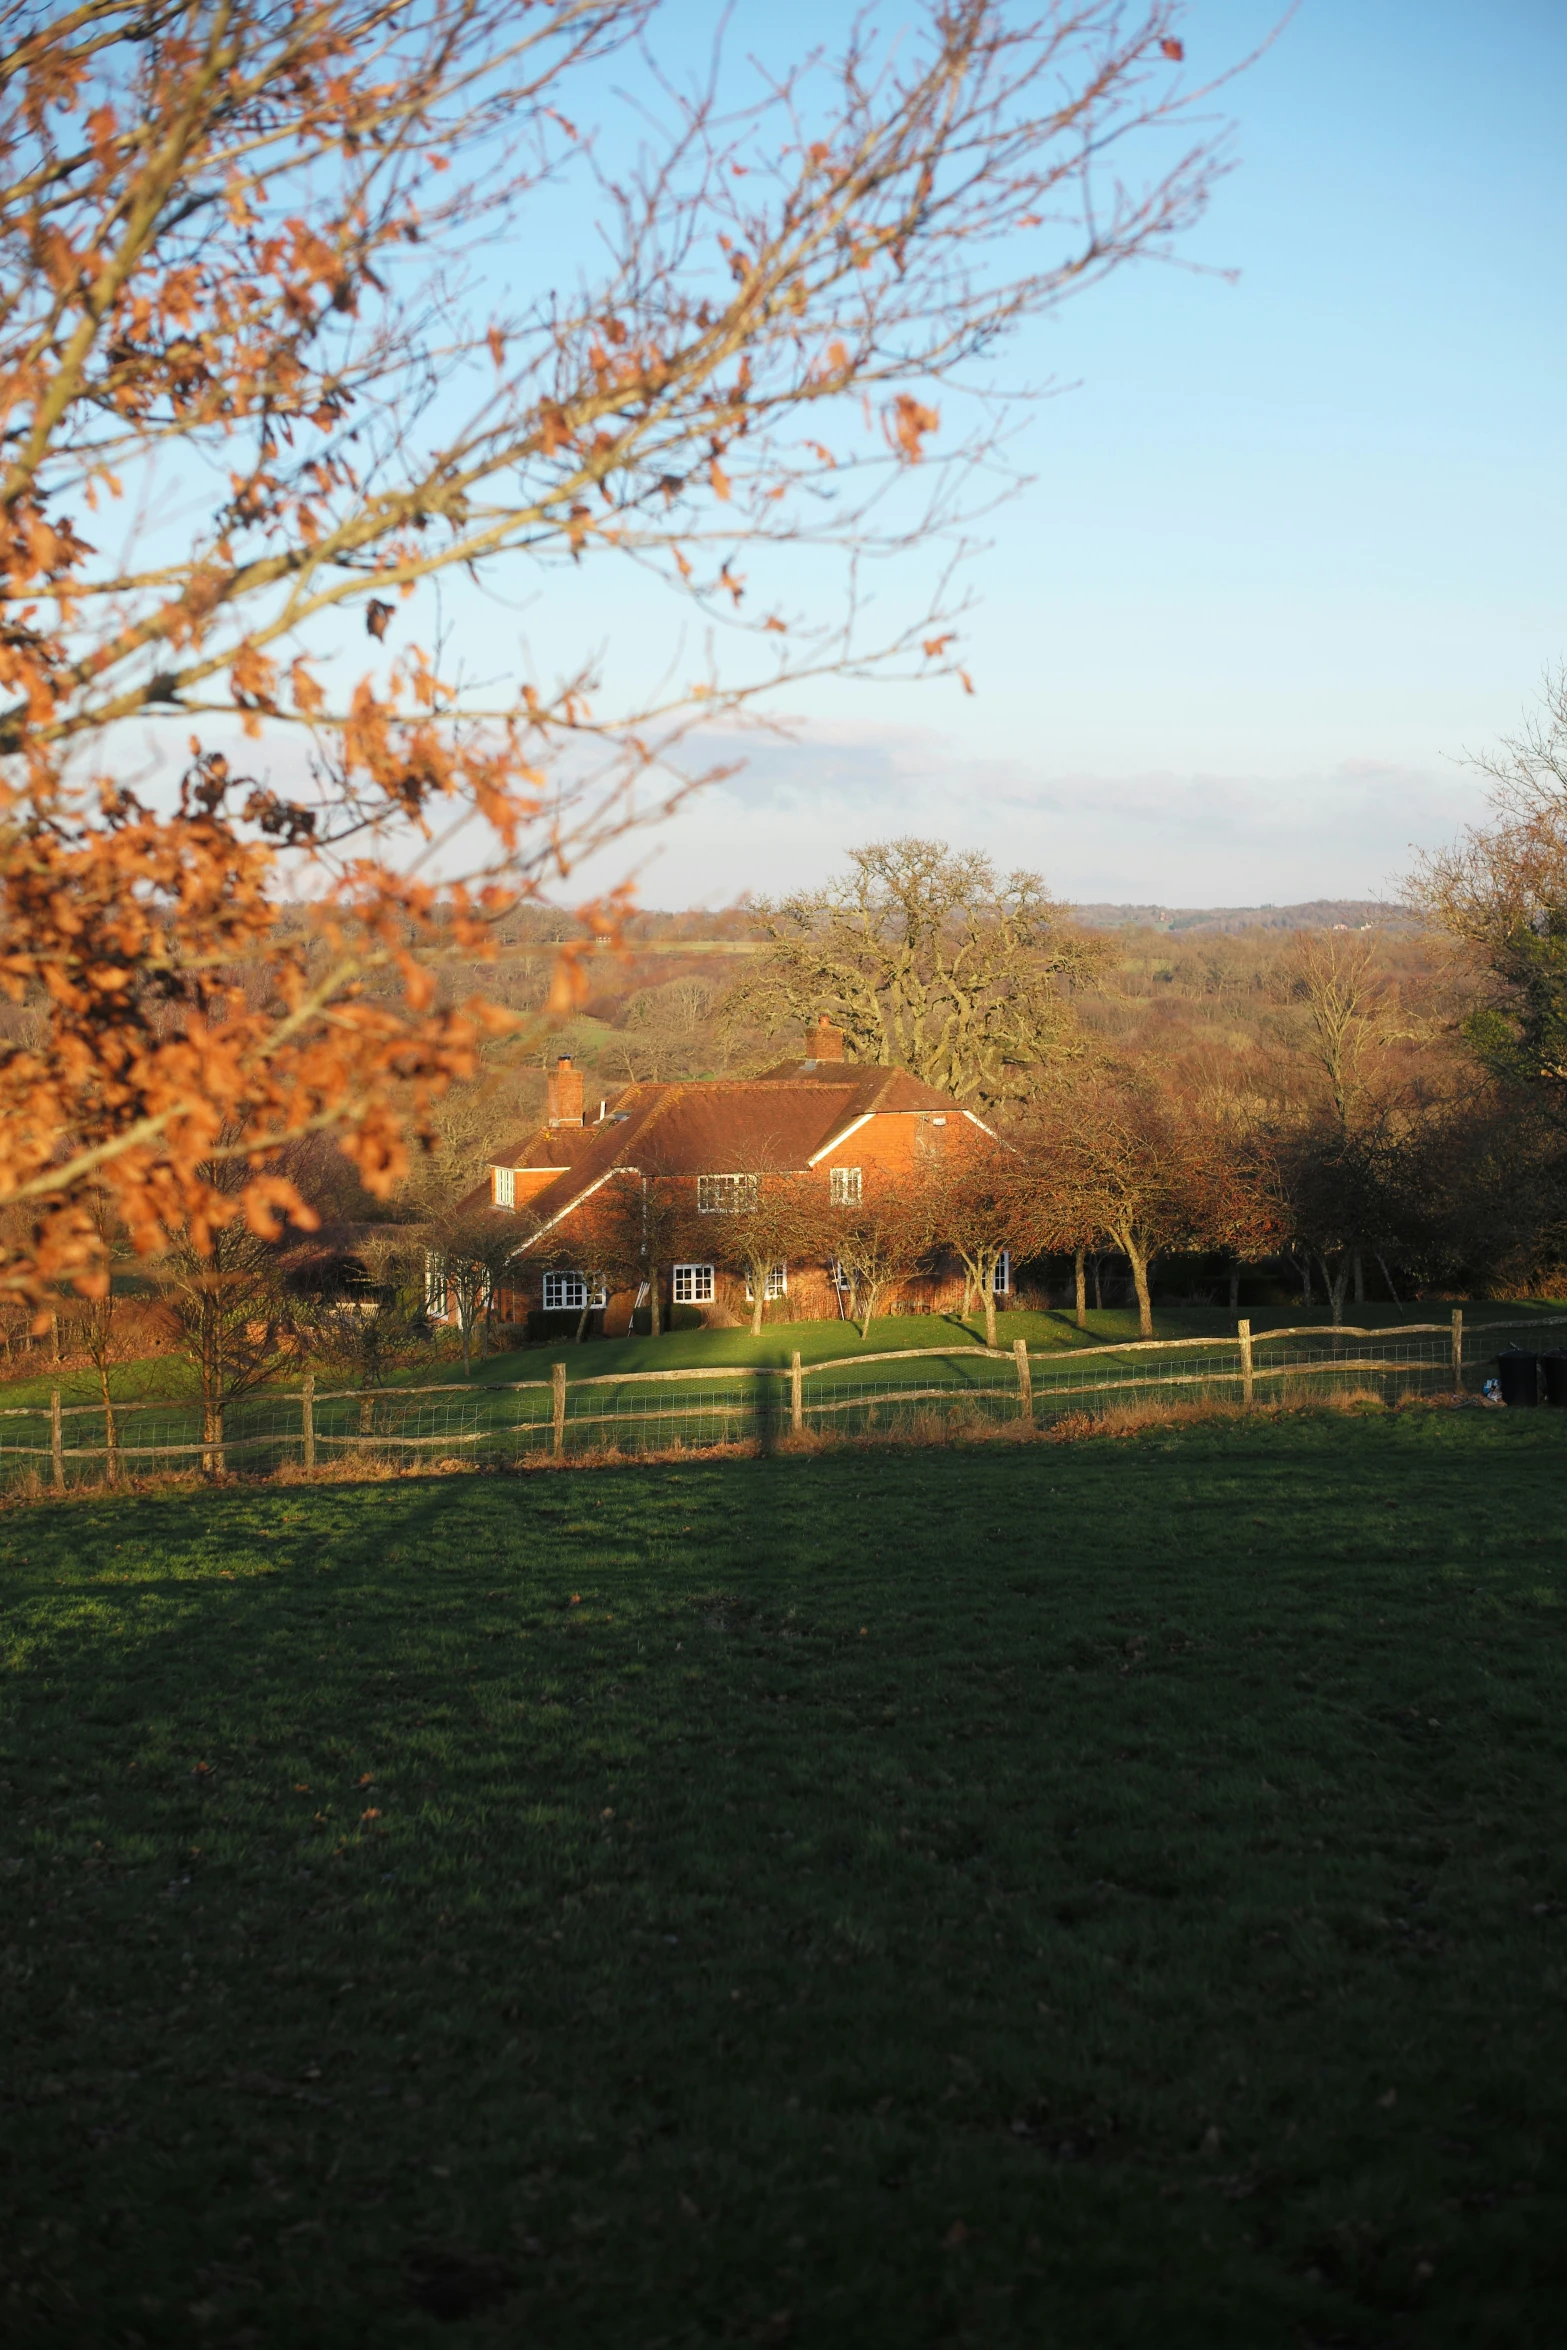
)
(1519, 1373)
(1554, 1365)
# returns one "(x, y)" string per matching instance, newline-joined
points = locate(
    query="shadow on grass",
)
(1090, 1895)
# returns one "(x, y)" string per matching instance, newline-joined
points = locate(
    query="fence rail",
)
(942, 1390)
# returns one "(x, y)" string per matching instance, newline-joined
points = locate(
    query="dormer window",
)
(504, 1183)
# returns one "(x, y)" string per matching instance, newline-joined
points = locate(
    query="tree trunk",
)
(1305, 1281)
(1335, 1285)
(212, 1459)
(758, 1299)
(1099, 1285)
(1138, 1260)
(211, 1390)
(582, 1322)
(1388, 1278)
(1358, 1261)
(111, 1434)
(990, 1306)
(1235, 1289)
(654, 1323)
(1080, 1286)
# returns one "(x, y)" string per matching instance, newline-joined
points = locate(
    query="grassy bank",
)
(167, 1376)
(1096, 1895)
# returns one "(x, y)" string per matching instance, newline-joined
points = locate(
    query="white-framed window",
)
(505, 1181)
(435, 1304)
(776, 1284)
(693, 1285)
(838, 1277)
(725, 1195)
(1002, 1283)
(844, 1186)
(572, 1293)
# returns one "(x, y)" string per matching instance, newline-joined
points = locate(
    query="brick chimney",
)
(565, 1093)
(824, 1042)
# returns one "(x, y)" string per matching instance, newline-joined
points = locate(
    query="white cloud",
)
(1161, 837)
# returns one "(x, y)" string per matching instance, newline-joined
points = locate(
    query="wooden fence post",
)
(307, 1418)
(796, 1399)
(558, 1383)
(56, 1437)
(1458, 1350)
(1025, 1381)
(1243, 1333)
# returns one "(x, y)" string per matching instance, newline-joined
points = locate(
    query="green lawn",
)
(1066, 1896)
(168, 1376)
(819, 1342)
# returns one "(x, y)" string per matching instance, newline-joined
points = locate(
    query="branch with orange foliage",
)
(247, 395)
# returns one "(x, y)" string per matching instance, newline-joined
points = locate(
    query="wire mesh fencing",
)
(932, 1394)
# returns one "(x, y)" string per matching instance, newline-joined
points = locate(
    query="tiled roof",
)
(741, 1125)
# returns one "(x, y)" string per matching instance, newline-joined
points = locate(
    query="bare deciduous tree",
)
(985, 1206)
(1123, 1156)
(880, 1241)
(233, 1321)
(775, 1219)
(930, 961)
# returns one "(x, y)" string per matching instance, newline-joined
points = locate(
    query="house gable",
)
(805, 1116)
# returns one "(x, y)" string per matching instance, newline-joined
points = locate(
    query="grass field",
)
(1084, 1895)
(816, 1342)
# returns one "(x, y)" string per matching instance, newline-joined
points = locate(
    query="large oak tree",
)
(928, 960)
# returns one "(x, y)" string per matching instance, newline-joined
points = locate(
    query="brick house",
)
(824, 1120)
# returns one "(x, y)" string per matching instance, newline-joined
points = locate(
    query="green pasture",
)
(168, 1377)
(1078, 1896)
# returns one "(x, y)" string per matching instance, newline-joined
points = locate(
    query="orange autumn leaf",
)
(908, 422)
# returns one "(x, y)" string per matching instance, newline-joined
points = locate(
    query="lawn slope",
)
(1098, 1895)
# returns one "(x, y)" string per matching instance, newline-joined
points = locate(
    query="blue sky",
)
(1293, 542)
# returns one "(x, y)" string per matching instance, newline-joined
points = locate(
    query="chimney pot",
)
(565, 1093)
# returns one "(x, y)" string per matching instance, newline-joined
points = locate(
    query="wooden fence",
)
(303, 1427)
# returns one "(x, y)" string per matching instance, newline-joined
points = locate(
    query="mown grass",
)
(819, 1342)
(1107, 1894)
(170, 1377)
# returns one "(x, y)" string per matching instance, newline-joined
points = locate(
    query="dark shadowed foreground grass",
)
(1068, 1896)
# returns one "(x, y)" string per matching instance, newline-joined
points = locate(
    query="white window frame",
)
(775, 1285)
(567, 1292)
(504, 1186)
(1001, 1279)
(726, 1195)
(691, 1285)
(437, 1303)
(845, 1186)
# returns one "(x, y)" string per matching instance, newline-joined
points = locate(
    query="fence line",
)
(649, 1410)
